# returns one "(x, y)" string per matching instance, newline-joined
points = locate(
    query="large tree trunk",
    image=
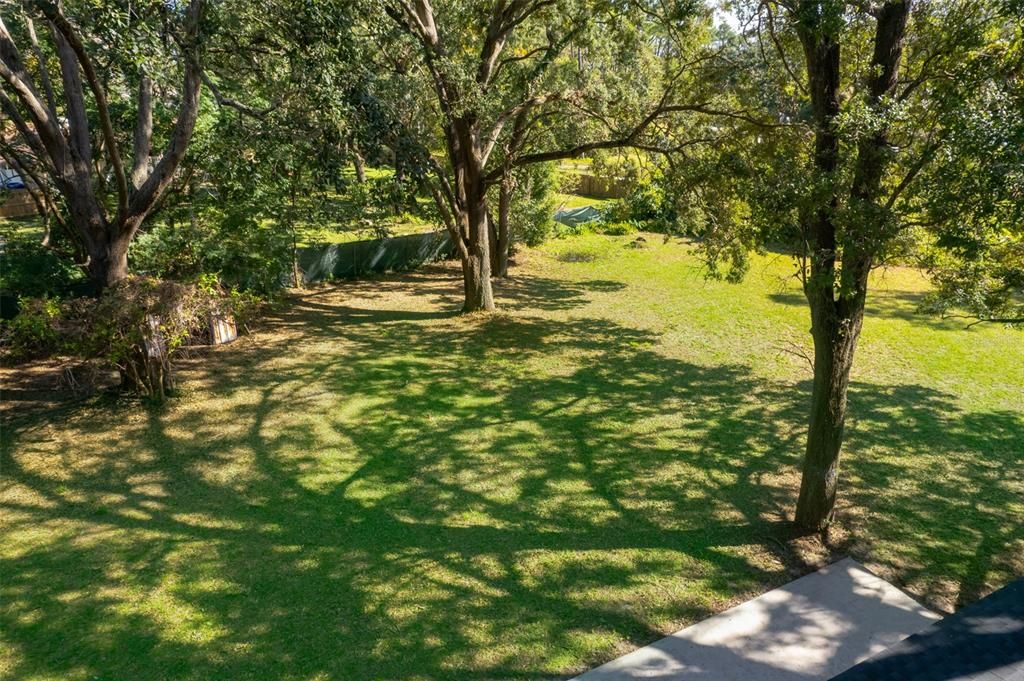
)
(108, 252)
(835, 341)
(471, 228)
(820, 475)
(105, 244)
(108, 263)
(476, 259)
(837, 312)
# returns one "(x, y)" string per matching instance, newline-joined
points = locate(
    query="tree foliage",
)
(76, 103)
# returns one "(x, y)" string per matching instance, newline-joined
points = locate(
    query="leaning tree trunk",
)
(835, 336)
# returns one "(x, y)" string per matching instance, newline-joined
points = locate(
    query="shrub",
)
(33, 332)
(651, 205)
(243, 252)
(564, 230)
(614, 228)
(531, 214)
(136, 326)
(30, 269)
(646, 202)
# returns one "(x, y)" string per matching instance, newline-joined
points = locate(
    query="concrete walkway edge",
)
(812, 628)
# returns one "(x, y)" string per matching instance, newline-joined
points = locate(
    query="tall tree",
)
(882, 86)
(62, 97)
(501, 71)
(841, 256)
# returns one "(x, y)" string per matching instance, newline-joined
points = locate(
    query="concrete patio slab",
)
(813, 628)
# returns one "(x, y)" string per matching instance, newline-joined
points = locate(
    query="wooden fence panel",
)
(19, 204)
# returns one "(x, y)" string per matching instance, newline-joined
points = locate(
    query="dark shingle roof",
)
(982, 642)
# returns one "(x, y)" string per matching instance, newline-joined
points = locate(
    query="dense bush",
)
(985, 280)
(243, 252)
(531, 214)
(649, 206)
(28, 268)
(35, 330)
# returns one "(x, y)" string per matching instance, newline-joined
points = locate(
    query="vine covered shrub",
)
(136, 326)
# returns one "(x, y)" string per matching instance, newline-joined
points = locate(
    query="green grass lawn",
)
(339, 229)
(20, 227)
(373, 487)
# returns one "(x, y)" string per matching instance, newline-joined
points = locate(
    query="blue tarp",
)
(576, 216)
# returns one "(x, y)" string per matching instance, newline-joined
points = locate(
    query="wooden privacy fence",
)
(588, 184)
(356, 258)
(602, 188)
(19, 204)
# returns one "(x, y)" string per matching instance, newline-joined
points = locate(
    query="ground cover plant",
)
(372, 486)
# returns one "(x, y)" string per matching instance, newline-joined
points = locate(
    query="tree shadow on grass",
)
(439, 289)
(392, 494)
(886, 304)
(948, 520)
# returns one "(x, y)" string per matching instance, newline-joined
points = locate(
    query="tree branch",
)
(47, 129)
(150, 192)
(631, 137)
(912, 174)
(52, 12)
(80, 144)
(258, 114)
(28, 134)
(143, 138)
(509, 114)
(44, 73)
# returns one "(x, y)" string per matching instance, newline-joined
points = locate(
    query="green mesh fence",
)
(353, 259)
